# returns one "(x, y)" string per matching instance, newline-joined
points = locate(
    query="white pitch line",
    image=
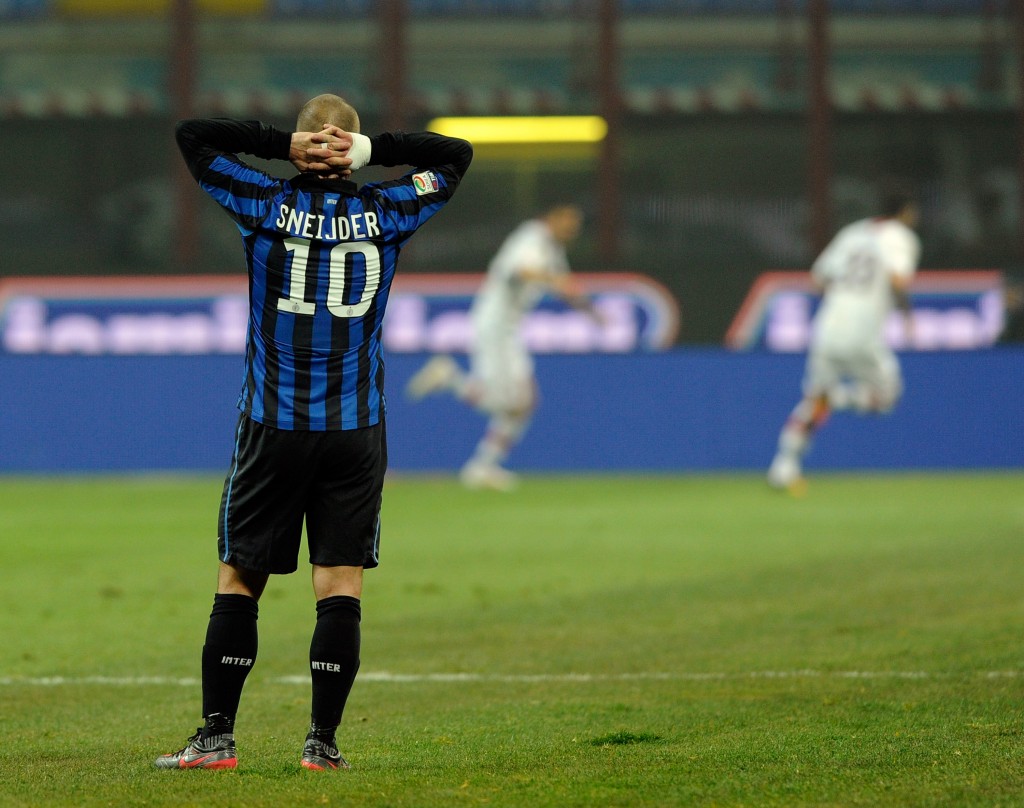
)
(446, 678)
(116, 681)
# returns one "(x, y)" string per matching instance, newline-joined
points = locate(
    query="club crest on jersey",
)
(425, 182)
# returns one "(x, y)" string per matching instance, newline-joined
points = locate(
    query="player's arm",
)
(902, 250)
(901, 294)
(438, 162)
(211, 148)
(563, 285)
(449, 156)
(203, 140)
(422, 150)
(900, 286)
(823, 270)
(571, 291)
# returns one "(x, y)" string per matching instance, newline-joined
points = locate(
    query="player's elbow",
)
(463, 155)
(185, 132)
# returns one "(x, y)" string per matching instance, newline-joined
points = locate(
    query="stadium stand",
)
(503, 8)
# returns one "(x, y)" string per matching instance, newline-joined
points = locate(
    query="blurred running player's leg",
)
(484, 469)
(873, 383)
(507, 391)
(501, 385)
(823, 375)
(440, 374)
(786, 470)
(504, 429)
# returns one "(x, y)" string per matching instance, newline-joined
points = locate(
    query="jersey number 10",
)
(339, 279)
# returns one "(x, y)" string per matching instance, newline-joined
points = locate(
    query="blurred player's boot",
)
(477, 475)
(438, 374)
(785, 474)
(214, 752)
(318, 755)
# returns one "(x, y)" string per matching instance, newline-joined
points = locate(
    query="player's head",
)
(327, 109)
(901, 204)
(565, 221)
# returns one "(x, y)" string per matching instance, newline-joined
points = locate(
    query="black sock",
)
(228, 656)
(333, 661)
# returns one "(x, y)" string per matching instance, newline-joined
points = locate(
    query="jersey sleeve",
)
(439, 164)
(211, 147)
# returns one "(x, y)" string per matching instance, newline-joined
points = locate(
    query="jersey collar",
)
(316, 183)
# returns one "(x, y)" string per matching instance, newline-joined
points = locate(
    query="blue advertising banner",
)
(952, 311)
(208, 315)
(680, 410)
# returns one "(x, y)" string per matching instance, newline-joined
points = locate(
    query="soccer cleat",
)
(797, 488)
(215, 752)
(785, 474)
(438, 374)
(319, 756)
(476, 476)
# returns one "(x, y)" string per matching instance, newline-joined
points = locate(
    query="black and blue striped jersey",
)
(321, 256)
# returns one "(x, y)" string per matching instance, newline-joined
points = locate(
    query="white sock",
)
(503, 432)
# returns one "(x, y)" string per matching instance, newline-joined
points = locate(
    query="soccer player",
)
(529, 264)
(310, 442)
(865, 270)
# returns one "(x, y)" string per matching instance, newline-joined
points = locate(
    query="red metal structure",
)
(1017, 12)
(819, 125)
(181, 84)
(609, 171)
(393, 16)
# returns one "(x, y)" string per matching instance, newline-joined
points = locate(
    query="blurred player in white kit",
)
(530, 263)
(862, 274)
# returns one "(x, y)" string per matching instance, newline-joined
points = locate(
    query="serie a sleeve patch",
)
(425, 183)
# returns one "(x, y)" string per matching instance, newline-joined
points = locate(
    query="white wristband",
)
(360, 151)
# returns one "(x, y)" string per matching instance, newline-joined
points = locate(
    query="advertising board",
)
(952, 311)
(155, 316)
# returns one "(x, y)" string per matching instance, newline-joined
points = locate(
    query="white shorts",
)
(873, 366)
(504, 370)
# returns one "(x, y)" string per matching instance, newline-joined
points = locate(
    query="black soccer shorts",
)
(279, 477)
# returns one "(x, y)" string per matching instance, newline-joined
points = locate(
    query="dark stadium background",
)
(717, 169)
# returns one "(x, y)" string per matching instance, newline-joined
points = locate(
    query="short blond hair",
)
(327, 109)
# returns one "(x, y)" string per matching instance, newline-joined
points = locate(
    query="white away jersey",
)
(857, 269)
(505, 296)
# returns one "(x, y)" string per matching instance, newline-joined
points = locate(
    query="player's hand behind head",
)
(325, 153)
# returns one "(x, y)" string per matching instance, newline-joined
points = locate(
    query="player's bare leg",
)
(786, 470)
(505, 429)
(233, 580)
(868, 398)
(329, 582)
(440, 374)
(333, 661)
(484, 469)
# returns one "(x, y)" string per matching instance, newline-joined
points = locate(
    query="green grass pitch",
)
(598, 641)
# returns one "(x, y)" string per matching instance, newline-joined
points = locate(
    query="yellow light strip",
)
(524, 129)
